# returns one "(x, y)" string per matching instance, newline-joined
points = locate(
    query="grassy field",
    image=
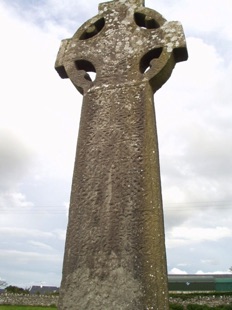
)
(7, 307)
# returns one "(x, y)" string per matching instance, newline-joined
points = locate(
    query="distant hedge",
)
(176, 307)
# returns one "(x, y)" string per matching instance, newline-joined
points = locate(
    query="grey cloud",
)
(194, 257)
(24, 232)
(30, 267)
(15, 159)
(65, 15)
(25, 256)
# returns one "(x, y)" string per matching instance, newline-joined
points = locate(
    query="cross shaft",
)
(115, 248)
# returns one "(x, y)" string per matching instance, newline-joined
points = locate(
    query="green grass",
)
(8, 307)
(205, 307)
(176, 307)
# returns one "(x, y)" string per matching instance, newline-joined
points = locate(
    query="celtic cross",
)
(115, 248)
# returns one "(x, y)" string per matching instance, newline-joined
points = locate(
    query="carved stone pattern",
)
(115, 248)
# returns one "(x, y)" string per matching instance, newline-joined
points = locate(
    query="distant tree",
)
(176, 307)
(3, 283)
(16, 290)
(230, 269)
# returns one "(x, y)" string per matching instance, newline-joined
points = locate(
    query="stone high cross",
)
(115, 248)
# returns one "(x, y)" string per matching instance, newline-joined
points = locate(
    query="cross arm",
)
(65, 68)
(59, 64)
(174, 40)
(173, 49)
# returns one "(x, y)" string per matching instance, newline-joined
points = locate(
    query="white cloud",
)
(61, 234)
(15, 161)
(212, 272)
(39, 113)
(25, 233)
(185, 236)
(209, 261)
(201, 18)
(200, 272)
(40, 245)
(26, 257)
(177, 271)
(194, 133)
(13, 201)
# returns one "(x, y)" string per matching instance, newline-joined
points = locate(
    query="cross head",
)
(124, 43)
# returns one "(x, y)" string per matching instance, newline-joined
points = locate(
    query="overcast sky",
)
(39, 119)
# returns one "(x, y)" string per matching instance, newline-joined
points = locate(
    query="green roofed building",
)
(223, 284)
(214, 282)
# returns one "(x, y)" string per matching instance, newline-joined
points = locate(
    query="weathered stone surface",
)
(115, 248)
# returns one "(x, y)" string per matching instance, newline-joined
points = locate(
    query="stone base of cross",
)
(115, 246)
